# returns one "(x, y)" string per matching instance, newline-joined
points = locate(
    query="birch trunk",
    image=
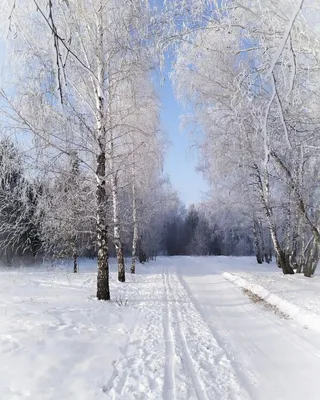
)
(300, 237)
(257, 244)
(135, 228)
(312, 261)
(75, 253)
(75, 262)
(281, 258)
(116, 220)
(103, 290)
(269, 248)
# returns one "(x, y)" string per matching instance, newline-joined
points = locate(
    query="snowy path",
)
(174, 355)
(185, 334)
(202, 369)
(274, 359)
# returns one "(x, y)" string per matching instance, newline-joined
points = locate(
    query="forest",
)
(82, 147)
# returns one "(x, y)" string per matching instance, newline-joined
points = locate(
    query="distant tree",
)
(191, 223)
(18, 203)
(202, 239)
(66, 210)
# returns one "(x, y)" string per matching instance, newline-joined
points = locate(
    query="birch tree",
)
(251, 76)
(94, 48)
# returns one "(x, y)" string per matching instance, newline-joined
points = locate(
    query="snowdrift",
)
(305, 318)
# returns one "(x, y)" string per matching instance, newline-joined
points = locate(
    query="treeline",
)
(52, 216)
(199, 232)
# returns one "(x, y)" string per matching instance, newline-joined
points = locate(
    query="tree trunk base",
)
(288, 271)
(103, 292)
(75, 264)
(121, 266)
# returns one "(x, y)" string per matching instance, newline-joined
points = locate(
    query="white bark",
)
(103, 290)
(135, 224)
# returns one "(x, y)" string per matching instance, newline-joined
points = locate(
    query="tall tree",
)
(95, 48)
(251, 78)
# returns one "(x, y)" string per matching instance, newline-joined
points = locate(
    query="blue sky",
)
(181, 159)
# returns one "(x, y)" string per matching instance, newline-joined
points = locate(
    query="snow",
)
(302, 316)
(178, 330)
(295, 295)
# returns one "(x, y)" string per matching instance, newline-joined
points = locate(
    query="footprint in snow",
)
(8, 344)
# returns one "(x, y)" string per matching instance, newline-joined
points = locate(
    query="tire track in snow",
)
(169, 384)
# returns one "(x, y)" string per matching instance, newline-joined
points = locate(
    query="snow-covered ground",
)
(296, 289)
(176, 331)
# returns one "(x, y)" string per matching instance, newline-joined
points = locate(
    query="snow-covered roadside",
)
(58, 342)
(303, 316)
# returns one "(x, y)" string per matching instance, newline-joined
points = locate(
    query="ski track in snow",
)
(169, 384)
(185, 363)
(189, 363)
(241, 370)
(204, 361)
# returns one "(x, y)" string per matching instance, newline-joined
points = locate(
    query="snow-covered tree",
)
(252, 77)
(71, 91)
(66, 212)
(19, 231)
